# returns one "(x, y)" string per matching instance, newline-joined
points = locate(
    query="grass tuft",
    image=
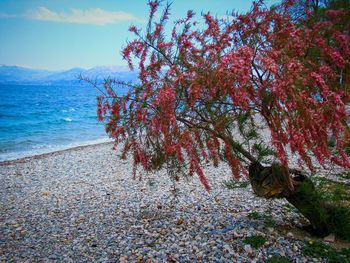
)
(316, 249)
(255, 241)
(268, 220)
(234, 184)
(278, 259)
(254, 215)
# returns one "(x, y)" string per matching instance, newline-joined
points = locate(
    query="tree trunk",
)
(274, 181)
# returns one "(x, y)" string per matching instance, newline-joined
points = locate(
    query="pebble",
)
(123, 259)
(290, 235)
(271, 229)
(295, 248)
(248, 249)
(329, 238)
(83, 205)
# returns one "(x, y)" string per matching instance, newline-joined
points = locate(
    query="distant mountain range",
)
(22, 75)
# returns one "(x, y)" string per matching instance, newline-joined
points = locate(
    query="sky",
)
(64, 34)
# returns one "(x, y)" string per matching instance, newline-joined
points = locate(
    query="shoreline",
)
(53, 153)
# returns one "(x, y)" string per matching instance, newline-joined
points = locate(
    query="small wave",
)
(70, 110)
(68, 119)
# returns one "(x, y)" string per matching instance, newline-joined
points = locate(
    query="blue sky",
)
(62, 34)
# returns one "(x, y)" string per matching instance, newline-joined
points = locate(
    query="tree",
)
(301, 8)
(313, 11)
(251, 90)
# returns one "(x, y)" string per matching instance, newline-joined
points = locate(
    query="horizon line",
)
(66, 69)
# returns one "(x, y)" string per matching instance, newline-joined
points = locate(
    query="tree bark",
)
(273, 182)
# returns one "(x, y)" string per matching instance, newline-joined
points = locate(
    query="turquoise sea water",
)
(39, 119)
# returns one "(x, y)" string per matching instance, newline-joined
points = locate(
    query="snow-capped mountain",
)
(22, 75)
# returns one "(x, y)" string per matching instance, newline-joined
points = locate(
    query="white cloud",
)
(95, 16)
(5, 15)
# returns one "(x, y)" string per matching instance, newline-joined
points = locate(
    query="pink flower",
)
(338, 59)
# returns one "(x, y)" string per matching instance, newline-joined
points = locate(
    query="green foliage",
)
(345, 175)
(268, 220)
(339, 195)
(333, 191)
(278, 259)
(245, 127)
(234, 184)
(313, 205)
(254, 215)
(347, 149)
(316, 249)
(158, 160)
(290, 208)
(255, 241)
(263, 151)
(341, 222)
(151, 182)
(336, 215)
(331, 142)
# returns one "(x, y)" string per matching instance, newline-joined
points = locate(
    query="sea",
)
(37, 119)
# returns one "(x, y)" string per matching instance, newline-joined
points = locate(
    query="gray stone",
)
(290, 235)
(248, 249)
(329, 238)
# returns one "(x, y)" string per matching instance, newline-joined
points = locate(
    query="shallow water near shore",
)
(38, 119)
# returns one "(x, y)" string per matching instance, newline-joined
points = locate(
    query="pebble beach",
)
(83, 205)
